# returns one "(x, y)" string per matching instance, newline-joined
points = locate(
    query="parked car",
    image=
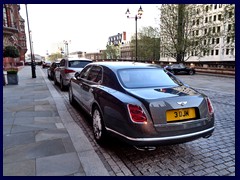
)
(67, 69)
(180, 69)
(50, 70)
(46, 64)
(141, 103)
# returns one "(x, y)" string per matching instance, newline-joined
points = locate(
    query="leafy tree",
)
(54, 56)
(112, 52)
(148, 44)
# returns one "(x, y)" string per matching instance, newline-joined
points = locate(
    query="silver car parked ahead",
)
(67, 69)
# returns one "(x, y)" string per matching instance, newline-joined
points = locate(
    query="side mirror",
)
(76, 75)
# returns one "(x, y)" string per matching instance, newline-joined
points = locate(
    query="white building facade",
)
(214, 27)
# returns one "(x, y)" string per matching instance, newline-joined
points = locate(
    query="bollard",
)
(5, 77)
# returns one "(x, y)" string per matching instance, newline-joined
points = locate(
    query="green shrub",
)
(11, 51)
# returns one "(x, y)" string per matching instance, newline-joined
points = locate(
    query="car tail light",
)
(210, 106)
(66, 71)
(137, 114)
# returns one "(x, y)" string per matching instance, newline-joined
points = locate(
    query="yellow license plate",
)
(180, 114)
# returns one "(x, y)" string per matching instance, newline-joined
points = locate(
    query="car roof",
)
(81, 59)
(116, 65)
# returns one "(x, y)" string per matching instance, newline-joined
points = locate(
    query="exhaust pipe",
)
(145, 148)
(207, 136)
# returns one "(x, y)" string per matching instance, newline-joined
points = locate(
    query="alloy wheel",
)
(97, 124)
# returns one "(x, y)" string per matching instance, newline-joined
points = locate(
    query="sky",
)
(86, 27)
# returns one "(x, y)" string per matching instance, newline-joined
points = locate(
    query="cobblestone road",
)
(214, 156)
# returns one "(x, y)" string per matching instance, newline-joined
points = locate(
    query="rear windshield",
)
(78, 64)
(144, 78)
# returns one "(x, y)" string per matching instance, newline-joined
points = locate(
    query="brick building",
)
(14, 30)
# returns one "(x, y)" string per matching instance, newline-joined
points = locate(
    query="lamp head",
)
(127, 13)
(140, 11)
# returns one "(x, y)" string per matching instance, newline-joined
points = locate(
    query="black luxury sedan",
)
(142, 104)
(180, 69)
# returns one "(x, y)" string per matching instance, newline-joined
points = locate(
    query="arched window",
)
(5, 23)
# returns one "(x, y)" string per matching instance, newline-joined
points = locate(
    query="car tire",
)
(99, 130)
(55, 80)
(62, 87)
(52, 76)
(71, 97)
(191, 72)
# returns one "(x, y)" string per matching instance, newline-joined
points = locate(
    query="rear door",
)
(77, 87)
(93, 79)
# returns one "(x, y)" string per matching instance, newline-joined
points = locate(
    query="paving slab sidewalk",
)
(40, 138)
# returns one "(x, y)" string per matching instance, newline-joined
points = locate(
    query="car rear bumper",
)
(166, 139)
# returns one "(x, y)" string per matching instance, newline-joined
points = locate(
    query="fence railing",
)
(225, 68)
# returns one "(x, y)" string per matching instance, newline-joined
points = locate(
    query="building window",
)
(216, 52)
(193, 22)
(197, 21)
(212, 52)
(219, 17)
(214, 18)
(12, 18)
(206, 8)
(215, 6)
(5, 23)
(213, 30)
(229, 27)
(197, 32)
(232, 51)
(205, 31)
(218, 29)
(220, 6)
(206, 19)
(228, 39)
(205, 42)
(198, 11)
(213, 40)
(217, 40)
(210, 18)
(227, 51)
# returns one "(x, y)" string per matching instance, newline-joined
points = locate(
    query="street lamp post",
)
(33, 66)
(66, 47)
(136, 17)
